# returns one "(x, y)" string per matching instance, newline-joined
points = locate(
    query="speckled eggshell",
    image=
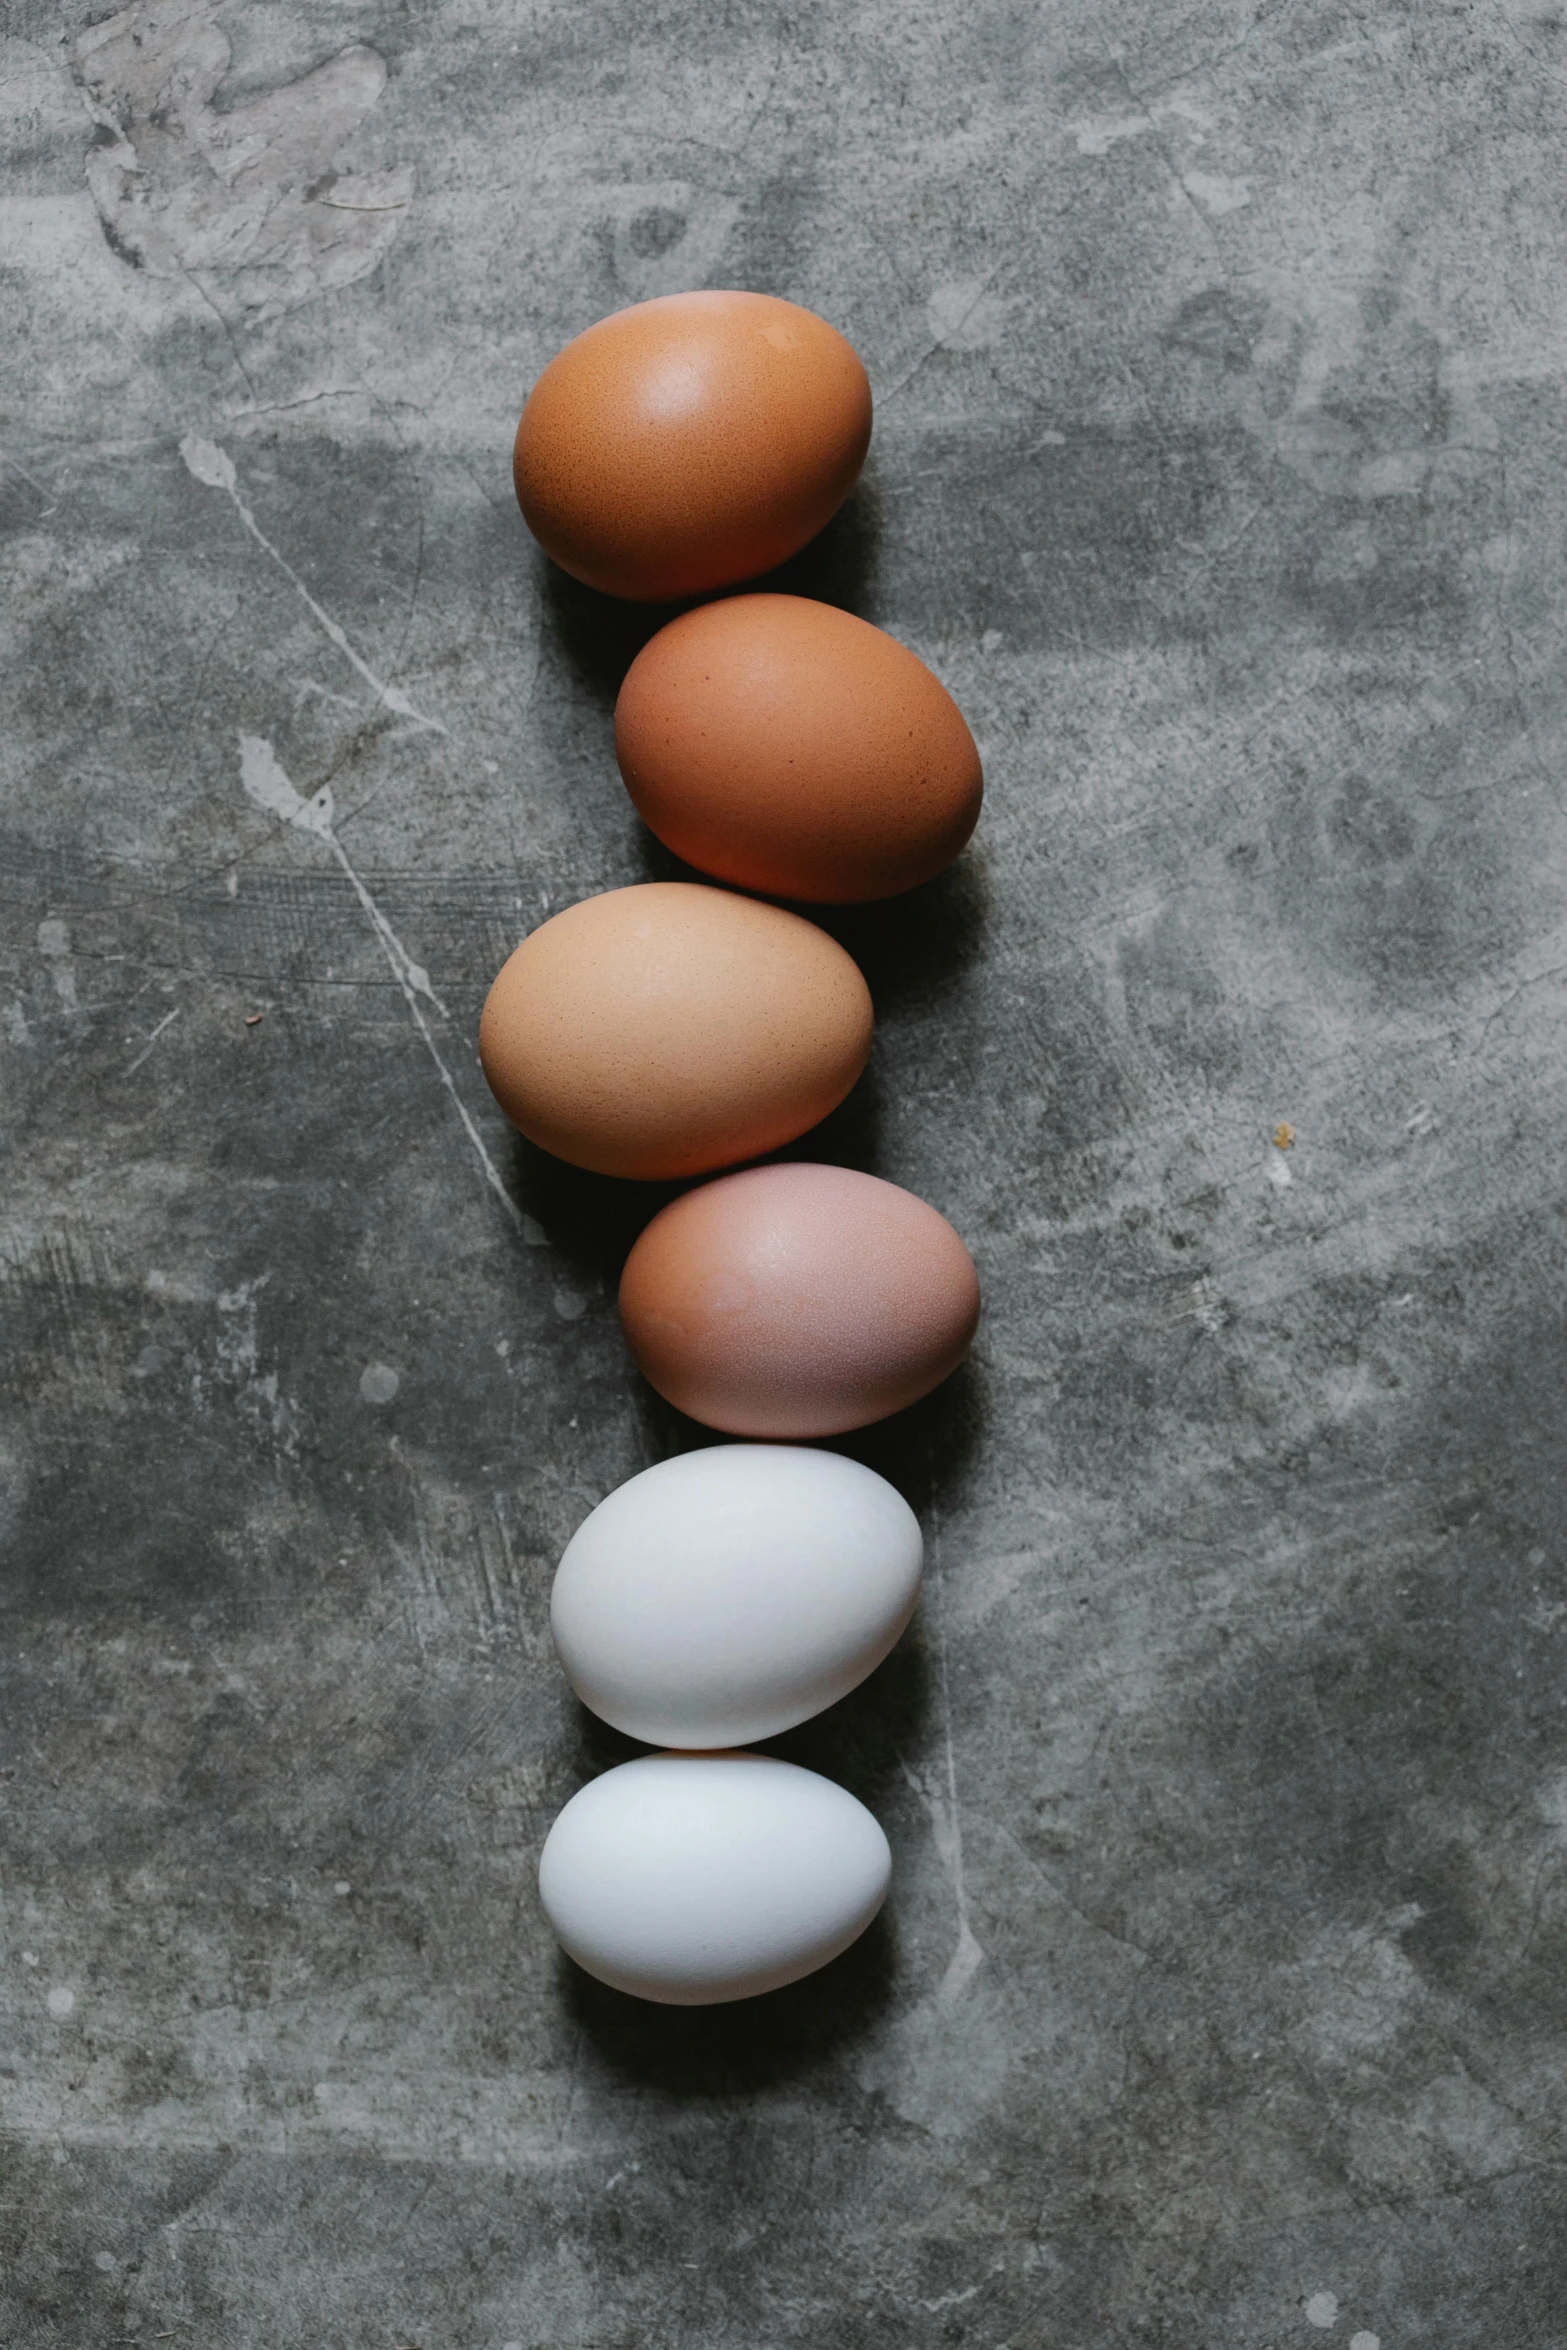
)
(691, 442)
(787, 746)
(798, 1301)
(668, 1029)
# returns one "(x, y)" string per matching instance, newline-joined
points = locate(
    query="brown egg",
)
(798, 1301)
(785, 745)
(689, 442)
(668, 1029)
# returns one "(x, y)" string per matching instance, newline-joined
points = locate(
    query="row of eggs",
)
(674, 1030)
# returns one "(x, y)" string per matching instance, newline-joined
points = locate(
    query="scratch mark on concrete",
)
(950, 2300)
(167, 1021)
(215, 468)
(266, 784)
(54, 944)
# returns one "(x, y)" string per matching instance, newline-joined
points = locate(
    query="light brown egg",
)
(787, 746)
(798, 1301)
(690, 442)
(668, 1029)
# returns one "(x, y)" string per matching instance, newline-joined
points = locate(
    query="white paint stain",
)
(1365, 2342)
(1279, 1171)
(947, 1834)
(570, 1304)
(1100, 133)
(1322, 2310)
(1216, 193)
(1207, 1308)
(1097, 134)
(54, 944)
(963, 1965)
(990, 1581)
(1357, 1986)
(60, 2001)
(1397, 473)
(378, 1382)
(239, 1360)
(241, 1300)
(265, 782)
(239, 200)
(214, 469)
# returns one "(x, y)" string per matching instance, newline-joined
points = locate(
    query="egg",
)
(690, 442)
(725, 1595)
(791, 748)
(667, 1029)
(797, 1301)
(695, 1878)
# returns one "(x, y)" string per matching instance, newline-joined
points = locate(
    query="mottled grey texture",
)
(1220, 352)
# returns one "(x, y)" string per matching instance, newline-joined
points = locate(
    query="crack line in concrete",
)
(265, 782)
(213, 466)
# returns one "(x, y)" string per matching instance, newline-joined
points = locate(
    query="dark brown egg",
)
(691, 442)
(786, 746)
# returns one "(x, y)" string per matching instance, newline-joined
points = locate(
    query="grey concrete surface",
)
(1220, 354)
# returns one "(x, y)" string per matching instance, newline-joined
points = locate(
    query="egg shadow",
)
(925, 1450)
(914, 947)
(591, 1221)
(602, 635)
(839, 565)
(910, 947)
(745, 2045)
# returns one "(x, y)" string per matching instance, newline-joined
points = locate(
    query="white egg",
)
(694, 1878)
(727, 1594)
